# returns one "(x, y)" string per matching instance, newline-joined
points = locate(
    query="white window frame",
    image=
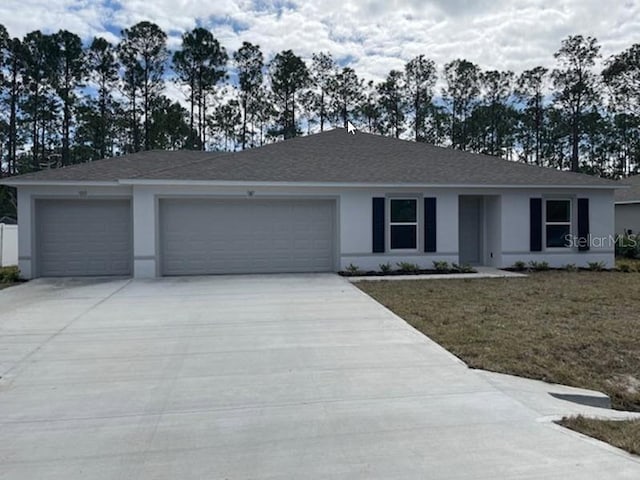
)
(569, 223)
(392, 224)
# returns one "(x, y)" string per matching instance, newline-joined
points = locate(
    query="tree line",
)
(65, 102)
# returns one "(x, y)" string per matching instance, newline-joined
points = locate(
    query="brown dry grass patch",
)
(623, 434)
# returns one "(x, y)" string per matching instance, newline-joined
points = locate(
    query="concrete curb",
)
(483, 272)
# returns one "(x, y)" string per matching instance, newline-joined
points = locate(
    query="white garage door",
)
(83, 237)
(204, 236)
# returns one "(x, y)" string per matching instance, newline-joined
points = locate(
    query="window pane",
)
(404, 210)
(558, 235)
(558, 211)
(403, 236)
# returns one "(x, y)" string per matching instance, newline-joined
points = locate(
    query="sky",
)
(371, 36)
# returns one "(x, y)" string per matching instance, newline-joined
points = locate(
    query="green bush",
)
(624, 267)
(408, 267)
(520, 266)
(571, 267)
(9, 274)
(628, 246)
(464, 268)
(385, 267)
(538, 266)
(351, 268)
(441, 266)
(596, 266)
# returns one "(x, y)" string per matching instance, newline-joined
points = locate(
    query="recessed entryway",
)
(480, 229)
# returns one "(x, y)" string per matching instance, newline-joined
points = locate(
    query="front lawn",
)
(574, 328)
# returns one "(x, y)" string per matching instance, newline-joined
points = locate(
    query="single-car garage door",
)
(206, 236)
(83, 237)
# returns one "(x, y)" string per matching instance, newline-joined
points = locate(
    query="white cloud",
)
(376, 35)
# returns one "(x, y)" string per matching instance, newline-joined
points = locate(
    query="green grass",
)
(9, 275)
(623, 434)
(574, 328)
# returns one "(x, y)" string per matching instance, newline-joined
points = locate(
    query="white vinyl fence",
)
(8, 245)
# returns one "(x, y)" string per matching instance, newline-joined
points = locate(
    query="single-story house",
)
(628, 207)
(310, 204)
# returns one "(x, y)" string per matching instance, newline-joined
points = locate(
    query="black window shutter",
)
(583, 224)
(378, 225)
(535, 224)
(430, 224)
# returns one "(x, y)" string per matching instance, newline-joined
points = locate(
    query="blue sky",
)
(372, 36)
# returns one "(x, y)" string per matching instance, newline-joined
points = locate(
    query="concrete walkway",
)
(279, 377)
(481, 272)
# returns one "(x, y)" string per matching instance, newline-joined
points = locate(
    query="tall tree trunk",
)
(292, 126)
(244, 122)
(204, 118)
(417, 119)
(66, 116)
(345, 114)
(575, 166)
(34, 128)
(147, 141)
(322, 110)
(134, 123)
(13, 102)
(538, 127)
(43, 130)
(192, 101)
(102, 131)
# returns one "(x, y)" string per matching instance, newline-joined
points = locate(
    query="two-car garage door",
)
(209, 236)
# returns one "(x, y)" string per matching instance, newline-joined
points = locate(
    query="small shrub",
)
(596, 266)
(520, 266)
(628, 246)
(571, 267)
(628, 266)
(351, 268)
(466, 268)
(385, 267)
(9, 274)
(408, 267)
(624, 267)
(441, 266)
(538, 266)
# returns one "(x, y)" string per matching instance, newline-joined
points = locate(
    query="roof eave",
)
(59, 183)
(233, 183)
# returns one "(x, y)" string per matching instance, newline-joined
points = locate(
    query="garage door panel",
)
(83, 237)
(206, 236)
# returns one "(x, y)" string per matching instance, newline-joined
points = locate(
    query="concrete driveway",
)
(284, 376)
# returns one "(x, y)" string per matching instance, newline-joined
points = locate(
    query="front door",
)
(470, 230)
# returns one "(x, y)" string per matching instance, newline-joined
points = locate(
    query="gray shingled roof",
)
(134, 165)
(629, 194)
(330, 157)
